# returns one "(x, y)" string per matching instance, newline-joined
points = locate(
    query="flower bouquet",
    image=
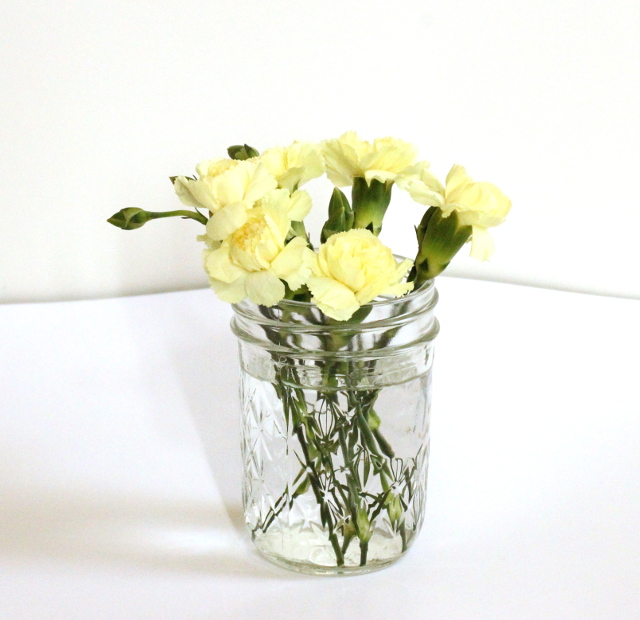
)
(336, 340)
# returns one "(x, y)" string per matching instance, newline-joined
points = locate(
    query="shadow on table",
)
(206, 363)
(185, 536)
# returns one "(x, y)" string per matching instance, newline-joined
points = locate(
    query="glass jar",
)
(335, 433)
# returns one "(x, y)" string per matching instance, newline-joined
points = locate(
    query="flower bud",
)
(129, 219)
(394, 507)
(340, 216)
(373, 420)
(242, 152)
(363, 525)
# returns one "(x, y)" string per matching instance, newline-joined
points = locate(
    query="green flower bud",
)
(242, 152)
(348, 530)
(340, 216)
(132, 218)
(439, 238)
(370, 202)
(129, 219)
(363, 525)
(373, 420)
(394, 507)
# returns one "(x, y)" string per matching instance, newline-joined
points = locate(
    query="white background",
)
(100, 102)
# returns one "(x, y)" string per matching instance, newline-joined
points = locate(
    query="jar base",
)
(309, 568)
(308, 550)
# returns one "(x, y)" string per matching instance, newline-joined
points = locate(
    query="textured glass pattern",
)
(335, 438)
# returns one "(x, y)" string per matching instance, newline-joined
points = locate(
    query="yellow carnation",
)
(348, 156)
(228, 193)
(351, 269)
(294, 165)
(479, 205)
(225, 222)
(387, 160)
(253, 261)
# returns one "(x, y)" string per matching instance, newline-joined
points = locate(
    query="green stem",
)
(364, 547)
(317, 491)
(194, 215)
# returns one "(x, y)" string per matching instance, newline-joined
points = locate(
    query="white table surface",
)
(120, 466)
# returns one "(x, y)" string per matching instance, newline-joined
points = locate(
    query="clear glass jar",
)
(335, 433)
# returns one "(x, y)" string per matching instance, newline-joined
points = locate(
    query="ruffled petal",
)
(299, 206)
(482, 246)
(181, 187)
(226, 221)
(264, 288)
(261, 182)
(218, 265)
(379, 175)
(293, 264)
(422, 185)
(231, 292)
(333, 298)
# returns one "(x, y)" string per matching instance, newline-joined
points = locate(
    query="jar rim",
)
(385, 300)
(305, 317)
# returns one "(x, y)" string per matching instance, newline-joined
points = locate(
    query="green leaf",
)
(303, 487)
(366, 470)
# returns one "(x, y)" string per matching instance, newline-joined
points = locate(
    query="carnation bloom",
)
(351, 269)
(294, 165)
(253, 261)
(228, 192)
(387, 160)
(225, 222)
(348, 156)
(479, 205)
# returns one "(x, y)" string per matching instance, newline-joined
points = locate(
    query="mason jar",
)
(335, 431)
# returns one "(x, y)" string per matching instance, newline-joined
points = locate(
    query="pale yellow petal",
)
(342, 158)
(278, 221)
(457, 177)
(230, 186)
(214, 167)
(203, 193)
(275, 159)
(333, 298)
(264, 288)
(181, 187)
(210, 243)
(397, 290)
(422, 185)
(482, 246)
(231, 292)
(219, 265)
(293, 264)
(299, 206)
(227, 220)
(260, 182)
(306, 158)
(389, 155)
(383, 176)
(195, 193)
(294, 165)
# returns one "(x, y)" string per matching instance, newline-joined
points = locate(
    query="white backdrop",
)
(100, 102)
